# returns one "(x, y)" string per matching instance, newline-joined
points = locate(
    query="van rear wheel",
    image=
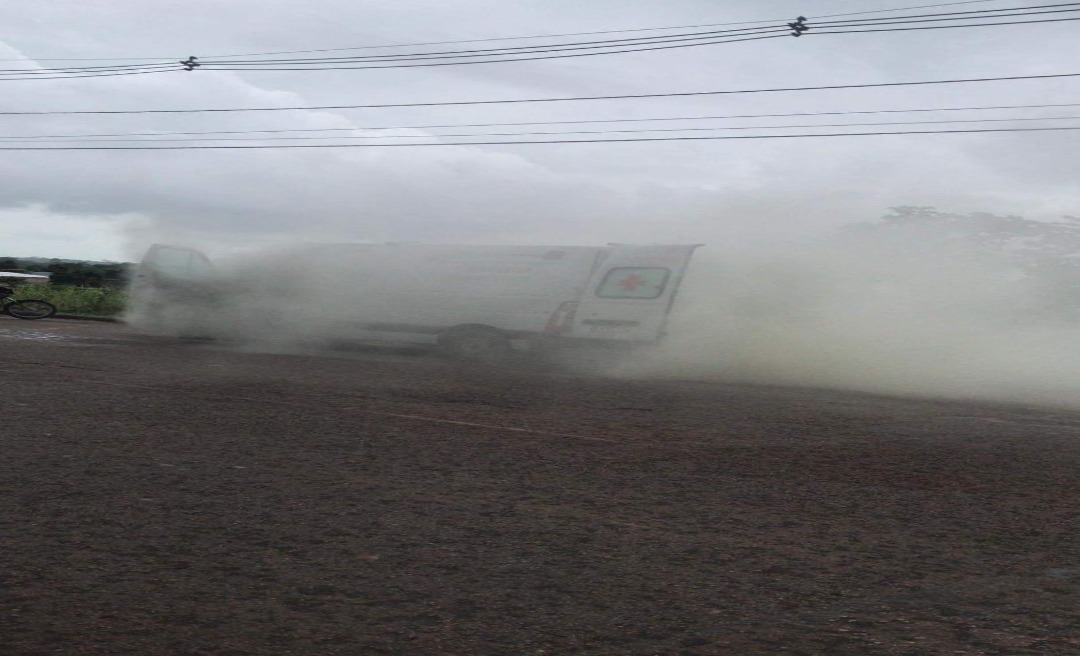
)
(475, 344)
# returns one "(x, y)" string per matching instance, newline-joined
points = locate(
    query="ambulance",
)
(472, 302)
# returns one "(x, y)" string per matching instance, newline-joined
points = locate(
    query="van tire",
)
(475, 344)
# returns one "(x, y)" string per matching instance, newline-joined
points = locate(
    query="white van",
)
(471, 301)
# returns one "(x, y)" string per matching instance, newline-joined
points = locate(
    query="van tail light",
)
(562, 319)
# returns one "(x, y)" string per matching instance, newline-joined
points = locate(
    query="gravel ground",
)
(182, 499)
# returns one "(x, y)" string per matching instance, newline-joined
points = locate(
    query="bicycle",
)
(27, 308)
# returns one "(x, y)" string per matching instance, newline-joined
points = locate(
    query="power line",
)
(883, 11)
(774, 23)
(621, 51)
(46, 74)
(700, 38)
(91, 69)
(830, 87)
(537, 48)
(918, 18)
(779, 33)
(980, 13)
(75, 76)
(547, 141)
(564, 122)
(562, 50)
(944, 27)
(570, 34)
(618, 46)
(560, 133)
(512, 38)
(939, 27)
(609, 43)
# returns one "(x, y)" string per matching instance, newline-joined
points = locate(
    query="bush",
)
(85, 301)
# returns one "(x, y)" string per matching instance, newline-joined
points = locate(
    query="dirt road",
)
(182, 499)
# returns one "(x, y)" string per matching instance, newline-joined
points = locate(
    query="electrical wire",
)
(538, 142)
(455, 57)
(76, 76)
(627, 50)
(564, 50)
(537, 48)
(781, 33)
(943, 27)
(510, 38)
(90, 69)
(980, 13)
(524, 123)
(635, 96)
(570, 34)
(561, 133)
(1025, 11)
(457, 61)
(474, 52)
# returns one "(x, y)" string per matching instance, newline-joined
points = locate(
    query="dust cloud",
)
(906, 315)
(903, 312)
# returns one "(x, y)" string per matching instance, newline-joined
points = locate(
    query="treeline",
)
(72, 272)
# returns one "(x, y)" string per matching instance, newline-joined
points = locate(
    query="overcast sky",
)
(109, 205)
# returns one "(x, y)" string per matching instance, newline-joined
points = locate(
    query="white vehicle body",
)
(37, 278)
(419, 293)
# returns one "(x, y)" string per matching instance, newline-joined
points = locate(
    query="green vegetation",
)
(82, 301)
(90, 289)
(71, 272)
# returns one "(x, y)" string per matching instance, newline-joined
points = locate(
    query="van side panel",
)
(426, 288)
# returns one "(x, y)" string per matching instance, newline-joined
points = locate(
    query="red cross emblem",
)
(631, 283)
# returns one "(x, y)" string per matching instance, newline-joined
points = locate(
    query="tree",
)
(72, 272)
(1032, 245)
(1042, 256)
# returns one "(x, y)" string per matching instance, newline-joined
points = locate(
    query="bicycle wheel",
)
(31, 309)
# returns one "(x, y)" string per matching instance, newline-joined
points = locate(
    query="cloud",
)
(691, 191)
(74, 236)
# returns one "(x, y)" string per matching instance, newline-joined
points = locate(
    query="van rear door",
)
(170, 282)
(630, 294)
(170, 267)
